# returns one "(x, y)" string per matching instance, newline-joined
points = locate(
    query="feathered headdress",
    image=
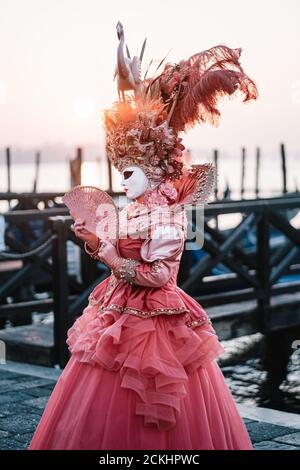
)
(143, 128)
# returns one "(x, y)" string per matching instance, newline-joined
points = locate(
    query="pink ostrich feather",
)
(195, 86)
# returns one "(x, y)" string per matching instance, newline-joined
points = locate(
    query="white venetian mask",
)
(134, 181)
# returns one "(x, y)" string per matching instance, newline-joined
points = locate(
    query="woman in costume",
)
(143, 372)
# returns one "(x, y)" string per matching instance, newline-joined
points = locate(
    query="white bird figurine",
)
(128, 71)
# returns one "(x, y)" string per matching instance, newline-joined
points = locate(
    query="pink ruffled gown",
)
(142, 372)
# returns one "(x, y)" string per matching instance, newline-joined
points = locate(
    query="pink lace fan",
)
(96, 207)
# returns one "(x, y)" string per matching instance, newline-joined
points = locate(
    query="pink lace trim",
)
(135, 311)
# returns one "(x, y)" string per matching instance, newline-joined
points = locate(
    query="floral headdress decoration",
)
(142, 128)
(138, 134)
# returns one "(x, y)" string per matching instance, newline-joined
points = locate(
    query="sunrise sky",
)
(57, 60)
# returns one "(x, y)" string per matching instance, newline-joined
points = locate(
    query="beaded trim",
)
(194, 323)
(204, 320)
(141, 313)
(126, 270)
(151, 313)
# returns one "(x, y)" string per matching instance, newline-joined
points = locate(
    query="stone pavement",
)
(25, 390)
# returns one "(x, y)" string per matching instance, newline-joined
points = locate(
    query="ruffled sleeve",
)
(160, 256)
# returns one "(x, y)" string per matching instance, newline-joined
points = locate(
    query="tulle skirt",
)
(90, 410)
(141, 383)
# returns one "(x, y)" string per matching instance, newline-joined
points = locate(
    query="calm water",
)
(55, 176)
(245, 375)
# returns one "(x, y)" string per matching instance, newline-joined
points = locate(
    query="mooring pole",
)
(283, 166)
(8, 164)
(257, 168)
(243, 172)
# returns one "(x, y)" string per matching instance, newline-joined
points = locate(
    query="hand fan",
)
(96, 207)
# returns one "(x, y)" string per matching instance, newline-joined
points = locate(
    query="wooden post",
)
(275, 356)
(243, 172)
(216, 161)
(75, 168)
(216, 157)
(60, 290)
(283, 166)
(8, 162)
(257, 168)
(37, 166)
(109, 168)
(263, 265)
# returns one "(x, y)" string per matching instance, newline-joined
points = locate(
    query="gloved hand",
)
(81, 232)
(108, 254)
